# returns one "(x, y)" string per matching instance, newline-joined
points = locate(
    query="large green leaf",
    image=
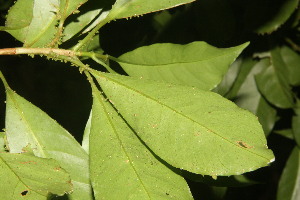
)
(41, 29)
(121, 166)
(265, 16)
(26, 124)
(292, 60)
(134, 8)
(25, 176)
(196, 64)
(248, 97)
(288, 188)
(192, 129)
(273, 82)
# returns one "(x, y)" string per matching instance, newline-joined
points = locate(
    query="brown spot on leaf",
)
(244, 145)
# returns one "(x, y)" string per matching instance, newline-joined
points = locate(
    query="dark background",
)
(62, 92)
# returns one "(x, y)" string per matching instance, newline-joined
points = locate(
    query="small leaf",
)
(196, 64)
(121, 166)
(134, 8)
(273, 82)
(189, 128)
(28, 125)
(248, 97)
(291, 60)
(264, 16)
(288, 188)
(33, 177)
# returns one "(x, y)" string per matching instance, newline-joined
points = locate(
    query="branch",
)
(43, 51)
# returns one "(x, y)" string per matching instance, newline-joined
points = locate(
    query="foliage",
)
(169, 115)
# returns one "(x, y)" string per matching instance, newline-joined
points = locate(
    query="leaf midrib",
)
(181, 62)
(184, 116)
(19, 177)
(121, 143)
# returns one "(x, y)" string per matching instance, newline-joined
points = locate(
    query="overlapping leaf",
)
(196, 64)
(31, 177)
(27, 124)
(133, 8)
(19, 17)
(41, 29)
(121, 166)
(268, 16)
(273, 82)
(288, 188)
(34, 22)
(192, 129)
(291, 60)
(249, 98)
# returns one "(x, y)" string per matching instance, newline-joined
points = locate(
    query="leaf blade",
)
(134, 8)
(26, 124)
(38, 176)
(195, 64)
(124, 160)
(143, 103)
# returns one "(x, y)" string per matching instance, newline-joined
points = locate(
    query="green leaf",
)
(31, 177)
(273, 82)
(121, 166)
(264, 16)
(67, 7)
(134, 8)
(245, 66)
(41, 29)
(80, 22)
(92, 13)
(2, 141)
(292, 60)
(296, 123)
(288, 188)
(196, 64)
(287, 133)
(86, 136)
(27, 124)
(189, 128)
(229, 78)
(18, 17)
(248, 97)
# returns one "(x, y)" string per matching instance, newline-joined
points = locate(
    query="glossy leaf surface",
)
(134, 8)
(121, 166)
(31, 177)
(196, 64)
(288, 188)
(189, 128)
(27, 124)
